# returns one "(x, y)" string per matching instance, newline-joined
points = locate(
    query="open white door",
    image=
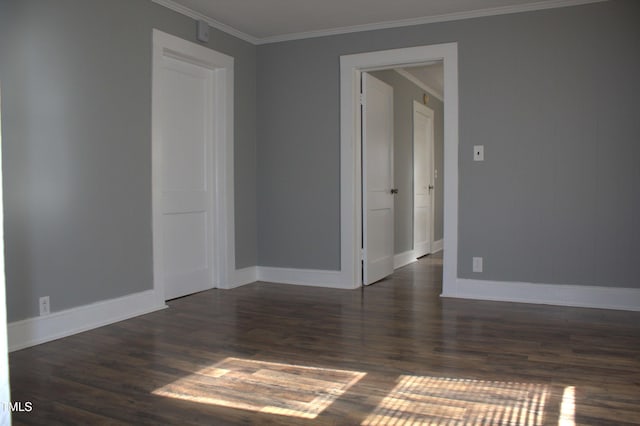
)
(423, 179)
(377, 182)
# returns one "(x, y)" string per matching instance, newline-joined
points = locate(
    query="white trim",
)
(244, 276)
(305, 277)
(415, 80)
(34, 331)
(172, 5)
(626, 299)
(481, 13)
(351, 67)
(404, 259)
(223, 224)
(505, 10)
(436, 247)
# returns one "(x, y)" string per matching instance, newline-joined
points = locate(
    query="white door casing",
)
(351, 68)
(192, 167)
(423, 179)
(377, 185)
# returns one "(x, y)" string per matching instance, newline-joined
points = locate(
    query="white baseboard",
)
(306, 277)
(403, 259)
(33, 331)
(409, 256)
(244, 276)
(626, 299)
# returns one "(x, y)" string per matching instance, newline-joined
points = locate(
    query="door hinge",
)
(362, 254)
(361, 98)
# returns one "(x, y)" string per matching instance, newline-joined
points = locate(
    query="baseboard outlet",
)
(244, 276)
(34, 331)
(625, 299)
(404, 259)
(437, 246)
(305, 277)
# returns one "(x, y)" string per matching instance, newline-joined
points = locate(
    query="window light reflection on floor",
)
(568, 407)
(305, 392)
(419, 400)
(267, 387)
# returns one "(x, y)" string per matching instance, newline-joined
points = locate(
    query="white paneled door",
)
(192, 168)
(186, 177)
(423, 179)
(378, 191)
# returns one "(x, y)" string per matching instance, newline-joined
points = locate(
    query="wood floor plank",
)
(393, 353)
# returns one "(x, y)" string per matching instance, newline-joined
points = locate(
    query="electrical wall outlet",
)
(45, 307)
(477, 264)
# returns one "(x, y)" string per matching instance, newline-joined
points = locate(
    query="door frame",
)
(221, 141)
(419, 108)
(351, 66)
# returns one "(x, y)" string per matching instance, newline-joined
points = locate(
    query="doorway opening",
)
(417, 142)
(352, 68)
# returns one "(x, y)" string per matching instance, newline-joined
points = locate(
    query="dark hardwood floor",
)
(394, 353)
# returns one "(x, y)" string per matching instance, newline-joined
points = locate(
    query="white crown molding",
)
(170, 4)
(505, 10)
(412, 78)
(581, 296)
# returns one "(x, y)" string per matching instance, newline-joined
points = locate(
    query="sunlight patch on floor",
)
(419, 400)
(267, 387)
(568, 407)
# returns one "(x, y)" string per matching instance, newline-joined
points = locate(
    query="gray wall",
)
(76, 85)
(299, 155)
(404, 93)
(551, 94)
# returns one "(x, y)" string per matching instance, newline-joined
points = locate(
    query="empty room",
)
(320, 212)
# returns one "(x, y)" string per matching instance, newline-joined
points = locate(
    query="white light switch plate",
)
(478, 153)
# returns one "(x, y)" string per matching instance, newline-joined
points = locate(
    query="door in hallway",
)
(423, 179)
(377, 182)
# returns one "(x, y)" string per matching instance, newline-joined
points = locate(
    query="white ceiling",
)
(274, 20)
